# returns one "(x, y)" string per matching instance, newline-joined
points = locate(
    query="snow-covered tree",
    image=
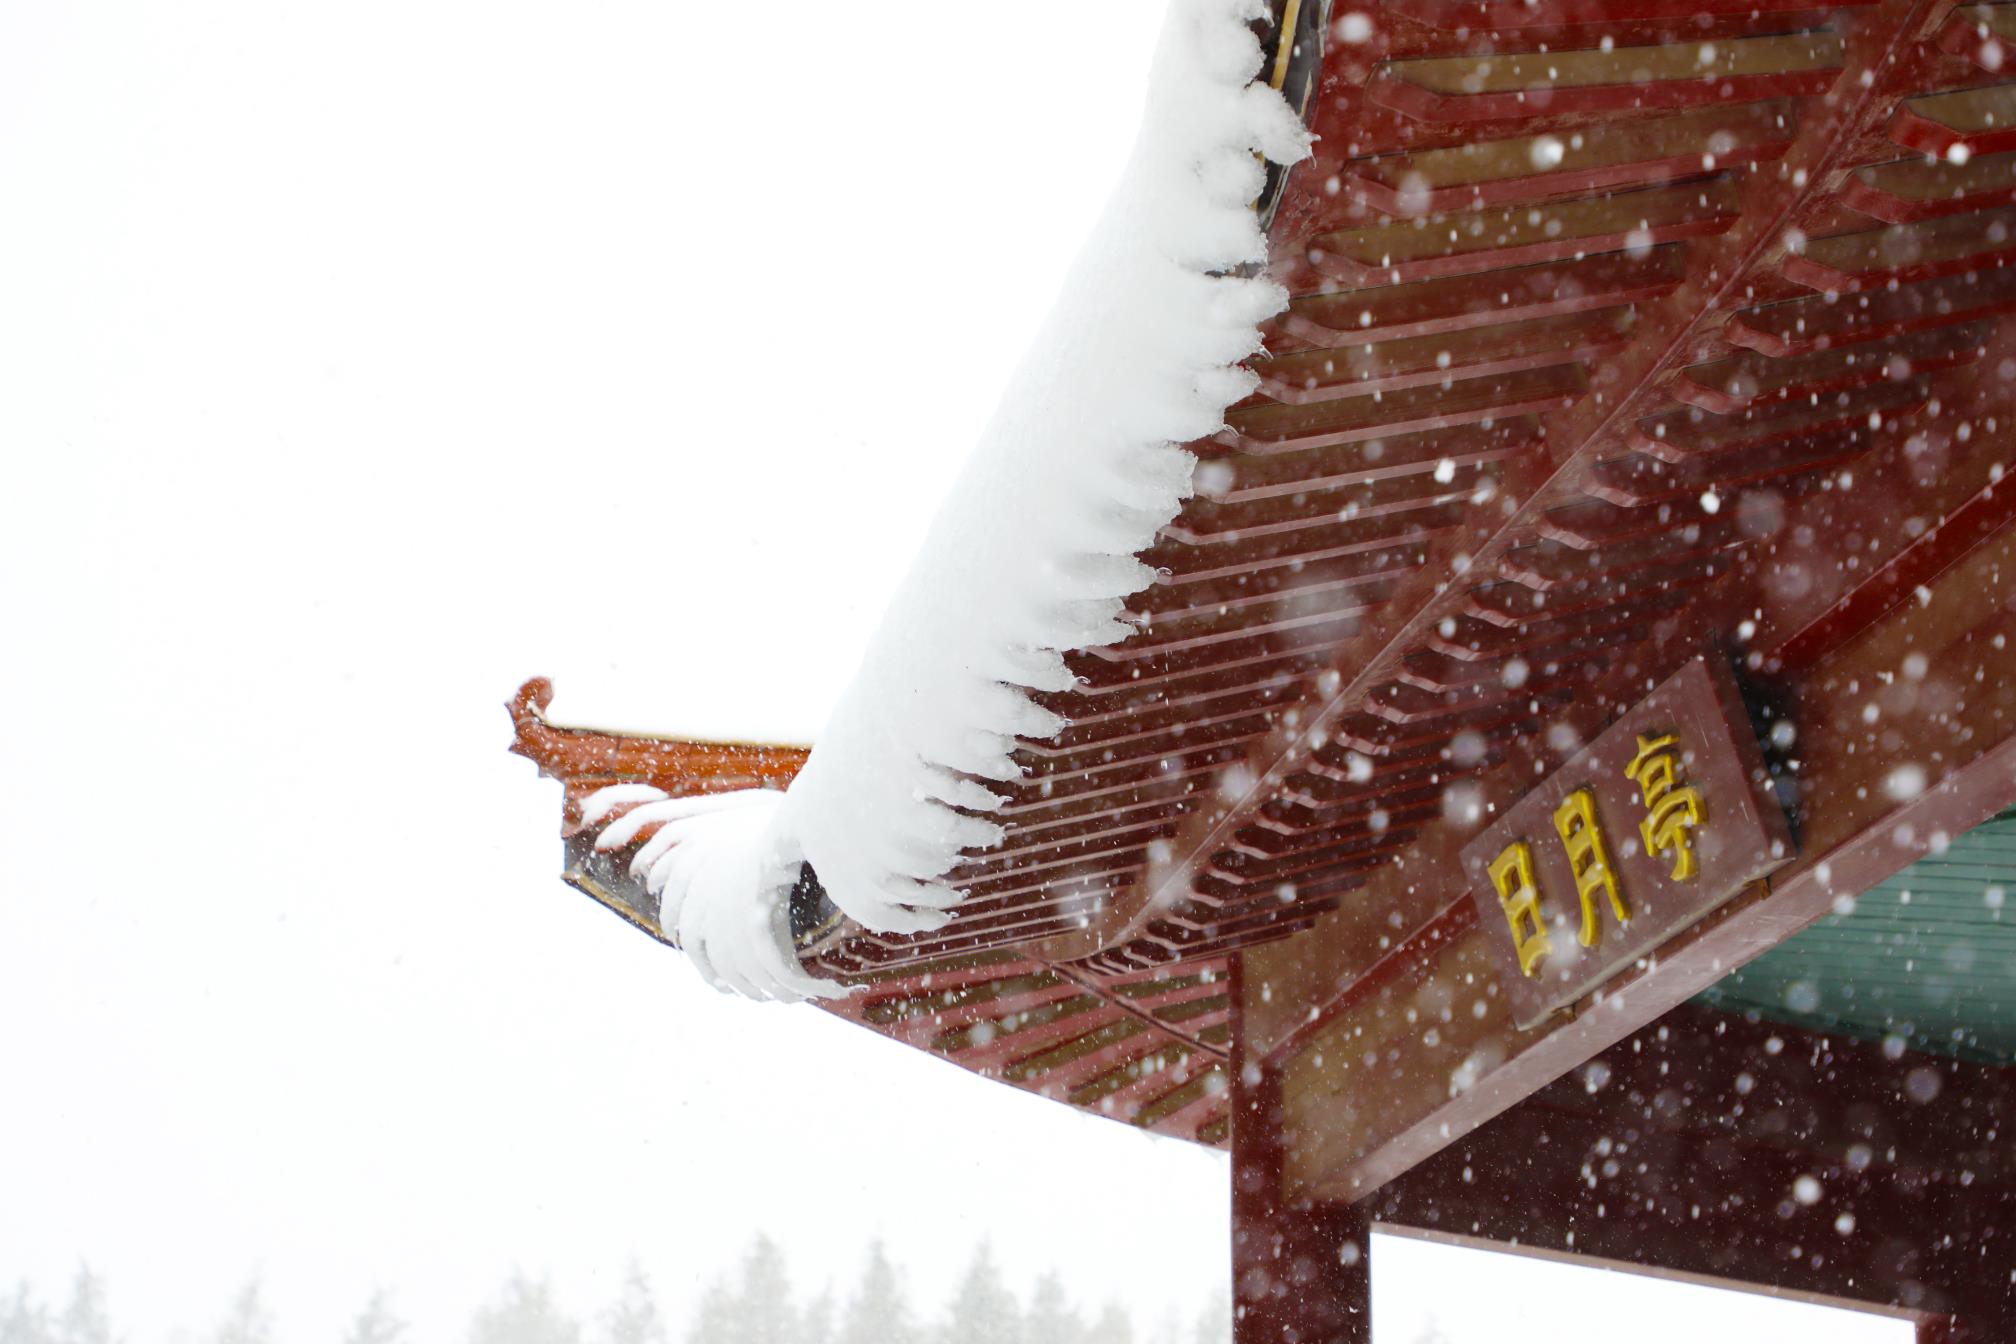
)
(763, 1296)
(633, 1317)
(24, 1321)
(1214, 1319)
(716, 1321)
(248, 1321)
(815, 1323)
(376, 1324)
(524, 1313)
(983, 1311)
(757, 1309)
(1052, 1319)
(85, 1320)
(878, 1313)
(1112, 1327)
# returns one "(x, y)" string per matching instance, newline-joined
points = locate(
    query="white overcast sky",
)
(357, 361)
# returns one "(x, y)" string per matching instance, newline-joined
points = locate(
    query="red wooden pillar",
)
(1301, 1273)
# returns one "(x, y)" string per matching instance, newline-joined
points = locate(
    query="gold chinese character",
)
(1672, 809)
(1589, 861)
(1512, 876)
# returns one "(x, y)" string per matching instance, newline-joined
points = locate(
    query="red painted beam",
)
(1916, 566)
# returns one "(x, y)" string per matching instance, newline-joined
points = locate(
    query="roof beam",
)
(1859, 823)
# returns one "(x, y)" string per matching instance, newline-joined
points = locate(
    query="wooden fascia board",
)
(586, 759)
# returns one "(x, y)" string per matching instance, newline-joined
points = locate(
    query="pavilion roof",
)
(1616, 331)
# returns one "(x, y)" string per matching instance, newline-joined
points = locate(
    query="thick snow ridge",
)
(1034, 552)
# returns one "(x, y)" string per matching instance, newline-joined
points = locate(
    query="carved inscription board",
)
(1661, 819)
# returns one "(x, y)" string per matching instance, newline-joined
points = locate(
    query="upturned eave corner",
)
(585, 759)
(531, 736)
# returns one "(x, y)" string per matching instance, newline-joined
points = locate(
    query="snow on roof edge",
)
(1033, 553)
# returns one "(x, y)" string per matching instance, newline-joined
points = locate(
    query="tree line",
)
(756, 1303)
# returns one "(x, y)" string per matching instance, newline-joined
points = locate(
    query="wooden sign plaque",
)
(1661, 819)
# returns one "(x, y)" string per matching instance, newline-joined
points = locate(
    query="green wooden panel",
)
(1928, 958)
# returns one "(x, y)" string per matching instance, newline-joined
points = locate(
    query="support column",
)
(1301, 1272)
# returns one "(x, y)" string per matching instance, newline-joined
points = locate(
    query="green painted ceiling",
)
(1928, 957)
